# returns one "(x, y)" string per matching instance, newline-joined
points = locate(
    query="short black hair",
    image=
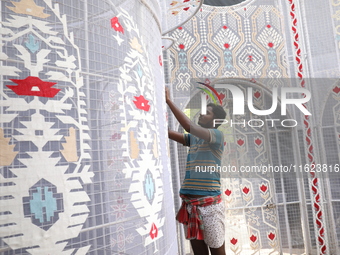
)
(218, 111)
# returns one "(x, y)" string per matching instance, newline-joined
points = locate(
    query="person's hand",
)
(167, 94)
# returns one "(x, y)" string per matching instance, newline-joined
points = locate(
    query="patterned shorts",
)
(213, 219)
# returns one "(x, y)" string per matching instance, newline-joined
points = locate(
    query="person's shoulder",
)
(216, 131)
(216, 136)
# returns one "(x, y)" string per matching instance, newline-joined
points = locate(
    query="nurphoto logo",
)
(239, 106)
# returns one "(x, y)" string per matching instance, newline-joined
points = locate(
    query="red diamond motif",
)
(336, 90)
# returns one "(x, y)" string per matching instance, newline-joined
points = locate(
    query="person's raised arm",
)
(176, 136)
(185, 122)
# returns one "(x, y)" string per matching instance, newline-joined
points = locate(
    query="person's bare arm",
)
(176, 136)
(185, 122)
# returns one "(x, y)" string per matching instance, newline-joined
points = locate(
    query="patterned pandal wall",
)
(265, 45)
(84, 159)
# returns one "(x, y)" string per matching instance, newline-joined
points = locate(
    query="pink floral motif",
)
(119, 209)
(141, 103)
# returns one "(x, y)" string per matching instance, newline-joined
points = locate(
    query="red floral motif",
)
(271, 236)
(240, 142)
(269, 26)
(336, 90)
(153, 231)
(257, 94)
(160, 60)
(227, 192)
(246, 190)
(258, 141)
(221, 96)
(250, 58)
(205, 59)
(270, 45)
(180, 28)
(186, 1)
(33, 86)
(141, 103)
(186, 8)
(181, 46)
(253, 238)
(116, 25)
(263, 188)
(225, 27)
(227, 45)
(233, 241)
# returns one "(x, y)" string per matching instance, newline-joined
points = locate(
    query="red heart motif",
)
(257, 94)
(258, 141)
(245, 190)
(221, 96)
(271, 236)
(227, 192)
(263, 188)
(253, 238)
(240, 142)
(233, 241)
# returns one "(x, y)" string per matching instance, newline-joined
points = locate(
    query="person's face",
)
(207, 120)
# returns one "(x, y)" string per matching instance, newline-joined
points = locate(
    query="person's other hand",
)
(167, 94)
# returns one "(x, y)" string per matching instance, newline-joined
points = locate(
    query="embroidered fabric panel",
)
(84, 165)
(250, 46)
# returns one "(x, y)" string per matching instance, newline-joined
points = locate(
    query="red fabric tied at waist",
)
(194, 219)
